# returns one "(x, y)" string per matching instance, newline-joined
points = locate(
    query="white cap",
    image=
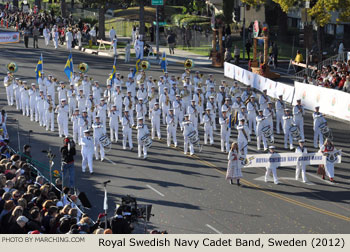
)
(140, 118)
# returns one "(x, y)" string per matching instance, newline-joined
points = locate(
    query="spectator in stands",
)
(299, 59)
(346, 86)
(67, 158)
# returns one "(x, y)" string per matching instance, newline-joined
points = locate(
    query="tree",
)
(227, 7)
(63, 8)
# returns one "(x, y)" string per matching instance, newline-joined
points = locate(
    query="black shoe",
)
(231, 182)
(238, 182)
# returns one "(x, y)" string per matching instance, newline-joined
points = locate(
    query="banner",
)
(249, 78)
(229, 71)
(239, 73)
(9, 37)
(289, 159)
(331, 101)
(286, 90)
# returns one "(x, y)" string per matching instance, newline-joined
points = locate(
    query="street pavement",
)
(188, 194)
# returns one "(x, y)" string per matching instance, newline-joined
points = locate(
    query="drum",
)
(324, 128)
(267, 131)
(294, 130)
(147, 141)
(104, 140)
(192, 136)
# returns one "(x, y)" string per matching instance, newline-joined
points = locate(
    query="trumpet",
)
(83, 67)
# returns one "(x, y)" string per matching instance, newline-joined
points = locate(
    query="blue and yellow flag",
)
(39, 68)
(163, 63)
(137, 65)
(114, 70)
(68, 68)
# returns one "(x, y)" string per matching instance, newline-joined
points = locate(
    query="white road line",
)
(110, 161)
(214, 229)
(155, 190)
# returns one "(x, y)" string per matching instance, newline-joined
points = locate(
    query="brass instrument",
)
(199, 100)
(145, 65)
(201, 75)
(78, 84)
(200, 84)
(150, 98)
(91, 79)
(9, 81)
(185, 94)
(130, 102)
(50, 106)
(167, 100)
(12, 67)
(178, 78)
(54, 79)
(83, 67)
(142, 79)
(189, 64)
(92, 106)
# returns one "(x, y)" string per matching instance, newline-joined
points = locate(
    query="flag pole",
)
(42, 62)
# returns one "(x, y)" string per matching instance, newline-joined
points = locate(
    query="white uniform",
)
(280, 106)
(33, 95)
(260, 124)
(114, 118)
(69, 39)
(84, 124)
(179, 108)
(298, 114)
(329, 166)
(141, 110)
(263, 100)
(142, 131)
(235, 92)
(17, 95)
(99, 131)
(225, 133)
(208, 128)
(173, 92)
(49, 114)
(91, 108)
(129, 104)
(186, 97)
(318, 136)
(220, 99)
(243, 137)
(40, 105)
(42, 84)
(252, 111)
(62, 119)
(107, 95)
(9, 90)
(46, 34)
(142, 94)
(171, 121)
(87, 152)
(287, 123)
(199, 98)
(131, 86)
(269, 114)
(299, 166)
(155, 120)
(72, 102)
(55, 36)
(50, 89)
(246, 95)
(96, 93)
(76, 128)
(127, 122)
(86, 87)
(212, 107)
(101, 111)
(152, 99)
(25, 101)
(81, 102)
(188, 128)
(62, 93)
(193, 112)
(118, 100)
(164, 104)
(271, 167)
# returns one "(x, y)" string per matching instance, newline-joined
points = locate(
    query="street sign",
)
(160, 23)
(157, 2)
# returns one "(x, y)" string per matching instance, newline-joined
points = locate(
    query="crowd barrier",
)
(331, 101)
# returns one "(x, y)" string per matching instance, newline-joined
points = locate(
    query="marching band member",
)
(99, 131)
(211, 104)
(164, 101)
(33, 95)
(252, 108)
(318, 120)
(142, 131)
(96, 91)
(127, 122)
(326, 148)
(150, 83)
(118, 97)
(86, 85)
(173, 92)
(186, 95)
(55, 36)
(131, 73)
(301, 149)
(188, 83)
(50, 87)
(226, 105)
(101, 111)
(152, 99)
(62, 91)
(72, 102)
(264, 100)
(198, 81)
(193, 113)
(243, 113)
(141, 109)
(187, 73)
(142, 92)
(234, 170)
(81, 98)
(107, 95)
(90, 107)
(49, 113)
(62, 118)
(261, 123)
(87, 151)
(220, 98)
(188, 128)
(224, 121)
(243, 137)
(131, 86)
(272, 167)
(287, 123)
(237, 104)
(269, 114)
(171, 121)
(161, 85)
(42, 82)
(40, 104)
(210, 82)
(298, 116)
(24, 99)
(46, 34)
(235, 90)
(199, 98)
(247, 94)
(114, 117)
(167, 79)
(76, 128)
(9, 81)
(209, 93)
(280, 107)
(17, 94)
(84, 124)
(129, 104)
(179, 109)
(118, 80)
(155, 120)
(173, 80)
(208, 127)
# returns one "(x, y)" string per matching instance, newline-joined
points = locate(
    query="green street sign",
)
(160, 23)
(157, 2)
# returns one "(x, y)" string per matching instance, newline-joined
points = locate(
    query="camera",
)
(132, 211)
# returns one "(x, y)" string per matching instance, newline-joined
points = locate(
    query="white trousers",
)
(274, 173)
(141, 148)
(171, 133)
(318, 137)
(127, 136)
(225, 140)
(99, 149)
(208, 131)
(9, 93)
(156, 128)
(87, 160)
(114, 127)
(279, 122)
(62, 126)
(186, 143)
(50, 120)
(303, 172)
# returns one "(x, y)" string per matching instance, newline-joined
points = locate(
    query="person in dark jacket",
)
(119, 224)
(67, 157)
(35, 222)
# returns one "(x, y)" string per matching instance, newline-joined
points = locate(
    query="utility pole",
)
(244, 31)
(157, 31)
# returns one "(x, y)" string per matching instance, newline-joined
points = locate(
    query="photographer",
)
(67, 156)
(119, 224)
